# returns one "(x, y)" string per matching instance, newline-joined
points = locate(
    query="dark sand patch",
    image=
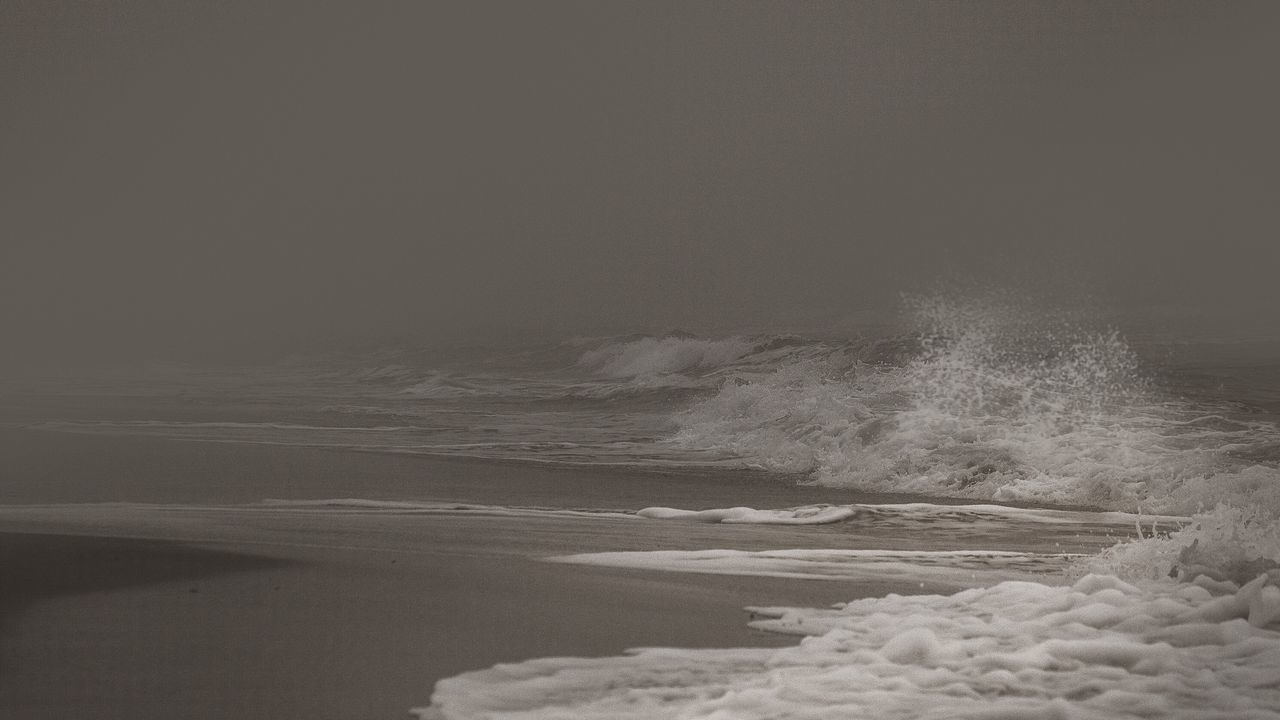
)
(38, 566)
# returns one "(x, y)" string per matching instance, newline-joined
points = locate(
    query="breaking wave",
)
(650, 356)
(1227, 544)
(982, 399)
(994, 404)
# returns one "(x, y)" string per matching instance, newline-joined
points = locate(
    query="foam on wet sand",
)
(1101, 648)
(950, 567)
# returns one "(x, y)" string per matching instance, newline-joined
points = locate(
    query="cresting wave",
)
(992, 404)
(649, 356)
(977, 399)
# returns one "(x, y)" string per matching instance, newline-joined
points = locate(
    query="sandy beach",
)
(149, 629)
(121, 611)
(124, 628)
(159, 578)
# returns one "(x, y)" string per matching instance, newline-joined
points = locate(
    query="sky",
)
(184, 179)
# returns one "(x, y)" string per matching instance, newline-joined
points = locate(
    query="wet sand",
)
(198, 610)
(122, 612)
(118, 628)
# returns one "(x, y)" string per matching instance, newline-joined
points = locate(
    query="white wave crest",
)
(648, 357)
(439, 386)
(996, 405)
(1230, 544)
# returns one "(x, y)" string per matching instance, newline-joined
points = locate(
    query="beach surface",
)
(120, 628)
(362, 537)
(211, 606)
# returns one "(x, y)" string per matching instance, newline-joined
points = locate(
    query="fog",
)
(210, 179)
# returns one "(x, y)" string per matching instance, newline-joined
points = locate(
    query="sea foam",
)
(959, 568)
(1227, 543)
(1101, 648)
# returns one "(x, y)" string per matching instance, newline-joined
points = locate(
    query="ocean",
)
(959, 400)
(967, 421)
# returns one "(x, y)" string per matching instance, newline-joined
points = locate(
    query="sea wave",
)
(996, 404)
(985, 399)
(1226, 544)
(651, 356)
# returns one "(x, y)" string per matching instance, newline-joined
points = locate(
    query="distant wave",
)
(668, 367)
(436, 385)
(651, 356)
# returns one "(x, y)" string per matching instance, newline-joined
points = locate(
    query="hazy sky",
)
(197, 177)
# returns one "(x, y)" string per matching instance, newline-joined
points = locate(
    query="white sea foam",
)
(1227, 544)
(805, 515)
(1099, 649)
(951, 567)
(907, 513)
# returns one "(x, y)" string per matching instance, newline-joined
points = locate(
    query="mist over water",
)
(988, 397)
(196, 181)
(979, 253)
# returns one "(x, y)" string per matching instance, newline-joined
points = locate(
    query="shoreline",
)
(45, 468)
(213, 611)
(162, 629)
